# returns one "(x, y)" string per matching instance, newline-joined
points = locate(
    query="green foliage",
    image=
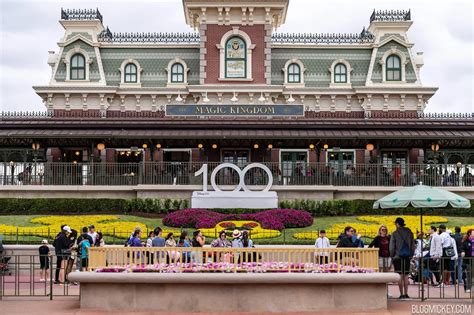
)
(97, 206)
(360, 207)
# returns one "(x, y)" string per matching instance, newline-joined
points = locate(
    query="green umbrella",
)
(421, 196)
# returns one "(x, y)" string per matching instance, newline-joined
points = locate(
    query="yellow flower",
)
(256, 232)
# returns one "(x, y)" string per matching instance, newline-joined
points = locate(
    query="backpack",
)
(405, 251)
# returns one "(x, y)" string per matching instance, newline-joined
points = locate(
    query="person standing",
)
(402, 249)
(184, 242)
(44, 260)
(221, 241)
(458, 264)
(448, 253)
(99, 241)
(435, 254)
(84, 236)
(92, 234)
(468, 260)
(322, 242)
(346, 239)
(61, 243)
(382, 242)
(198, 241)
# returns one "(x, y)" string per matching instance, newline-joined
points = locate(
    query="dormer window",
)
(294, 73)
(130, 73)
(177, 73)
(78, 67)
(393, 68)
(340, 73)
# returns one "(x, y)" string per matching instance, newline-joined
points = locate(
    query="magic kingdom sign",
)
(235, 110)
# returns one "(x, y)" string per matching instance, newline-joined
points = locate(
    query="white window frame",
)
(67, 60)
(122, 74)
(221, 46)
(302, 71)
(403, 62)
(332, 70)
(353, 151)
(185, 74)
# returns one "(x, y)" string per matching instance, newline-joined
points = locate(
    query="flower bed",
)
(371, 224)
(276, 219)
(265, 267)
(254, 228)
(107, 224)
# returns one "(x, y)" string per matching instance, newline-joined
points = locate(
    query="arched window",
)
(393, 68)
(177, 73)
(130, 73)
(235, 58)
(78, 67)
(340, 73)
(294, 73)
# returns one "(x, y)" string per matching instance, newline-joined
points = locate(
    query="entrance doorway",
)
(293, 166)
(176, 166)
(238, 157)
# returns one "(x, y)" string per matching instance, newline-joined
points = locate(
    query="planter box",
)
(233, 292)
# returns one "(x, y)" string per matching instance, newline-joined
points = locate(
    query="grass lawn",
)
(286, 236)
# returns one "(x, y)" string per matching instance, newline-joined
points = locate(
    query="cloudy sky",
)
(442, 29)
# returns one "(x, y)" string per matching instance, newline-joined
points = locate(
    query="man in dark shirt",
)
(345, 240)
(61, 243)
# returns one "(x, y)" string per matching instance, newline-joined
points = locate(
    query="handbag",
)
(449, 251)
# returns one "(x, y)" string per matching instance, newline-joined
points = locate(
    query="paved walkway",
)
(68, 305)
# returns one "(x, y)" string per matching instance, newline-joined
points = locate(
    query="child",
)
(322, 242)
(84, 245)
(44, 260)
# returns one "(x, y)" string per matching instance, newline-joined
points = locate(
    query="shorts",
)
(44, 263)
(385, 262)
(446, 264)
(402, 265)
(84, 262)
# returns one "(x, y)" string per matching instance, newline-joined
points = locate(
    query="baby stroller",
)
(4, 260)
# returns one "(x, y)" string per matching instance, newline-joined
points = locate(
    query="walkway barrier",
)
(188, 259)
(22, 276)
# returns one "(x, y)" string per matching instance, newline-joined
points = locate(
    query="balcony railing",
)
(285, 174)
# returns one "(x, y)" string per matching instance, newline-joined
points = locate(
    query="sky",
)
(442, 29)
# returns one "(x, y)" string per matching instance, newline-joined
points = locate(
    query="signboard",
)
(240, 197)
(234, 110)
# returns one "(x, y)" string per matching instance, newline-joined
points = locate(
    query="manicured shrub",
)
(275, 219)
(359, 207)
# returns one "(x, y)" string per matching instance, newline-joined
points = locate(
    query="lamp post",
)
(35, 146)
(435, 149)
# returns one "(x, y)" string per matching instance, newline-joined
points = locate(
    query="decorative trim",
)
(403, 62)
(221, 46)
(185, 73)
(67, 60)
(349, 69)
(302, 71)
(124, 84)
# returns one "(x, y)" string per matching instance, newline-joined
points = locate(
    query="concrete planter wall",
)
(208, 292)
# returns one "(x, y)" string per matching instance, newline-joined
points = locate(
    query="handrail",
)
(190, 259)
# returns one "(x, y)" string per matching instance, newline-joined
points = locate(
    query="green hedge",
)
(164, 206)
(68, 205)
(359, 207)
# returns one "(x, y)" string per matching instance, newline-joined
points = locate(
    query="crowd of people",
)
(440, 258)
(71, 251)
(155, 239)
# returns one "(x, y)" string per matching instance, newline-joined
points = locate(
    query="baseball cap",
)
(67, 229)
(44, 242)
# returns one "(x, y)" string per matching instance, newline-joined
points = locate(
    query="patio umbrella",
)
(421, 196)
